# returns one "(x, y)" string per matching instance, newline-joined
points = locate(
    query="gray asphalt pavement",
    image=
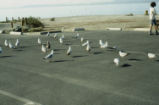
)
(82, 78)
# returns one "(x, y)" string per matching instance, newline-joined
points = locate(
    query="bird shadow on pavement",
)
(134, 59)
(111, 49)
(79, 56)
(68, 44)
(5, 56)
(18, 50)
(126, 65)
(157, 60)
(97, 53)
(95, 47)
(60, 61)
(59, 49)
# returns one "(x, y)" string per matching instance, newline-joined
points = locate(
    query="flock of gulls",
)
(84, 43)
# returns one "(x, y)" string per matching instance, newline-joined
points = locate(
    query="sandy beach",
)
(98, 22)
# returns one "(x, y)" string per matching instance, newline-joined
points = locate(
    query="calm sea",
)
(76, 10)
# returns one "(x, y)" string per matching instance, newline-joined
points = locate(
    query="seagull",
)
(48, 45)
(86, 43)
(101, 42)
(77, 35)
(69, 51)
(17, 43)
(55, 36)
(61, 40)
(0, 49)
(39, 41)
(62, 36)
(116, 61)
(104, 45)
(10, 45)
(82, 39)
(49, 55)
(48, 33)
(88, 48)
(43, 48)
(151, 55)
(6, 43)
(122, 54)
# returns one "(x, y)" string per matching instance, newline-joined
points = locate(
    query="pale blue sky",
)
(61, 8)
(26, 3)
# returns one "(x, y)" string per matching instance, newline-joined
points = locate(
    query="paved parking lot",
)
(82, 78)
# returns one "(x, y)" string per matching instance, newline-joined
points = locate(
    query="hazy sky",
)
(20, 3)
(61, 8)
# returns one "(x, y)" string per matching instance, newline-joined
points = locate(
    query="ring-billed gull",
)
(82, 39)
(55, 36)
(0, 49)
(48, 45)
(116, 61)
(39, 41)
(86, 43)
(43, 48)
(61, 40)
(69, 51)
(103, 45)
(17, 43)
(88, 48)
(48, 33)
(151, 55)
(10, 45)
(6, 43)
(50, 55)
(77, 35)
(122, 54)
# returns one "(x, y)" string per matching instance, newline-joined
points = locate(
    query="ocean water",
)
(75, 10)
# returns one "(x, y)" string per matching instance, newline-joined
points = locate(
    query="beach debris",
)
(39, 41)
(122, 54)
(69, 50)
(86, 43)
(78, 29)
(50, 55)
(43, 48)
(6, 43)
(116, 61)
(114, 29)
(151, 55)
